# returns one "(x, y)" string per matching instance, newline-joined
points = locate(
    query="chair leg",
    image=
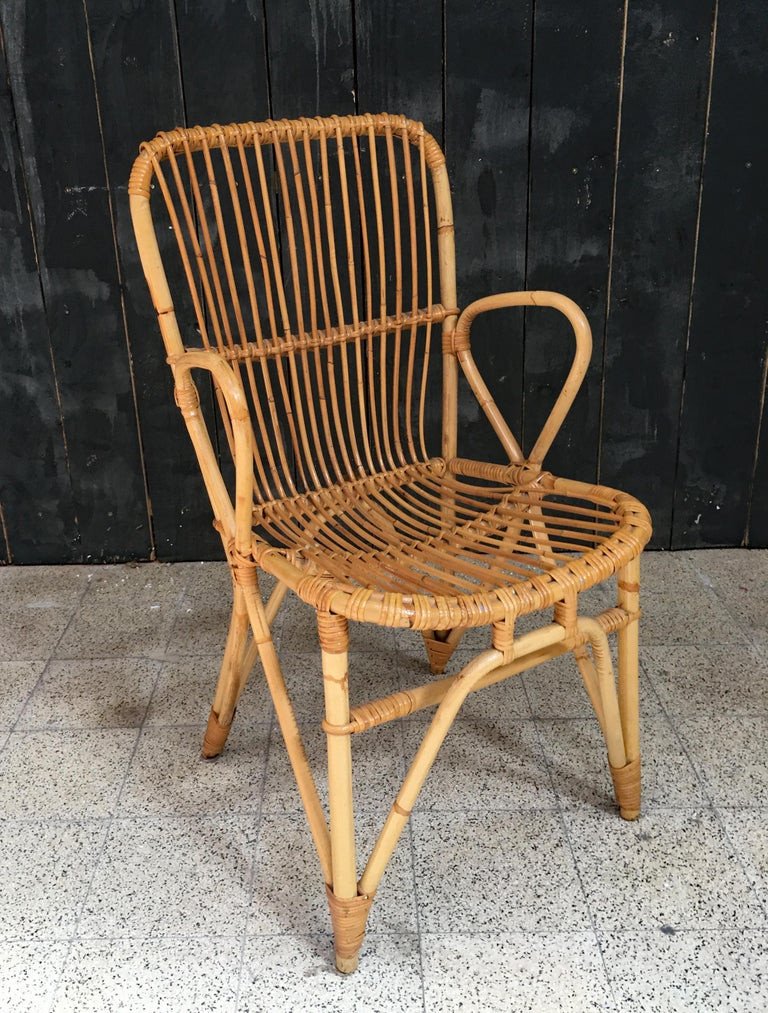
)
(440, 645)
(597, 672)
(232, 678)
(349, 910)
(628, 781)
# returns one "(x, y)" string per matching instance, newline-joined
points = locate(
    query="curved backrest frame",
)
(229, 143)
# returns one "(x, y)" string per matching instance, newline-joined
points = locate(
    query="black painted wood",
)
(684, 434)
(35, 488)
(487, 121)
(757, 532)
(49, 67)
(137, 75)
(576, 66)
(729, 322)
(311, 57)
(662, 131)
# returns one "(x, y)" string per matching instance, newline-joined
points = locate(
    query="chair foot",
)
(215, 736)
(438, 652)
(626, 785)
(348, 917)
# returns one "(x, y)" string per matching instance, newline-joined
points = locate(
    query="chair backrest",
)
(318, 259)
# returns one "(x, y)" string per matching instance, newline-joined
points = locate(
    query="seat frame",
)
(441, 619)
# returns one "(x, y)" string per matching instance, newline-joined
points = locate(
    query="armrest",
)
(238, 523)
(460, 346)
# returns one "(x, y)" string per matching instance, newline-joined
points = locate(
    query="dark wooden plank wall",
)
(617, 155)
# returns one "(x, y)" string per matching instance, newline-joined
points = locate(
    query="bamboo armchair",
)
(313, 251)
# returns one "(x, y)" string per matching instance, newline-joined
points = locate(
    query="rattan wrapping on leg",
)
(215, 736)
(439, 653)
(626, 783)
(348, 918)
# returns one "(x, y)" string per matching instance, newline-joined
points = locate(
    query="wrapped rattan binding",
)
(215, 736)
(626, 784)
(348, 916)
(438, 652)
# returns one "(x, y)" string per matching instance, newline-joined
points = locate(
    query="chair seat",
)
(475, 540)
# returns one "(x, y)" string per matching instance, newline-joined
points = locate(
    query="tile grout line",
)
(566, 834)
(47, 663)
(108, 823)
(251, 886)
(711, 806)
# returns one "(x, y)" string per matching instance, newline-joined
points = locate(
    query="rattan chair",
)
(316, 259)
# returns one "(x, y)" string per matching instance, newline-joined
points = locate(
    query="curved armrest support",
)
(237, 523)
(460, 346)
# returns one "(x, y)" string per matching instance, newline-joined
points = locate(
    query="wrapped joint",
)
(456, 341)
(438, 652)
(566, 613)
(626, 784)
(503, 637)
(333, 632)
(186, 398)
(348, 917)
(215, 736)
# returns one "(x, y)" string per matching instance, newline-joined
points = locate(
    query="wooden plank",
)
(757, 533)
(137, 75)
(656, 206)
(487, 95)
(729, 318)
(223, 61)
(311, 57)
(400, 58)
(50, 72)
(575, 94)
(33, 460)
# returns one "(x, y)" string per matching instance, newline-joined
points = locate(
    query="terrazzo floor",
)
(136, 876)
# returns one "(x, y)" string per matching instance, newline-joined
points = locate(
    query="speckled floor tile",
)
(695, 617)
(747, 831)
(480, 767)
(29, 973)
(64, 774)
(168, 774)
(739, 578)
(709, 680)
(289, 895)
(667, 573)
(688, 972)
(162, 877)
(92, 694)
(45, 869)
(18, 679)
(30, 634)
(514, 973)
(285, 974)
(556, 690)
(495, 705)
(185, 689)
(578, 763)
(377, 768)
(126, 612)
(672, 868)
(729, 753)
(495, 872)
(45, 586)
(179, 975)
